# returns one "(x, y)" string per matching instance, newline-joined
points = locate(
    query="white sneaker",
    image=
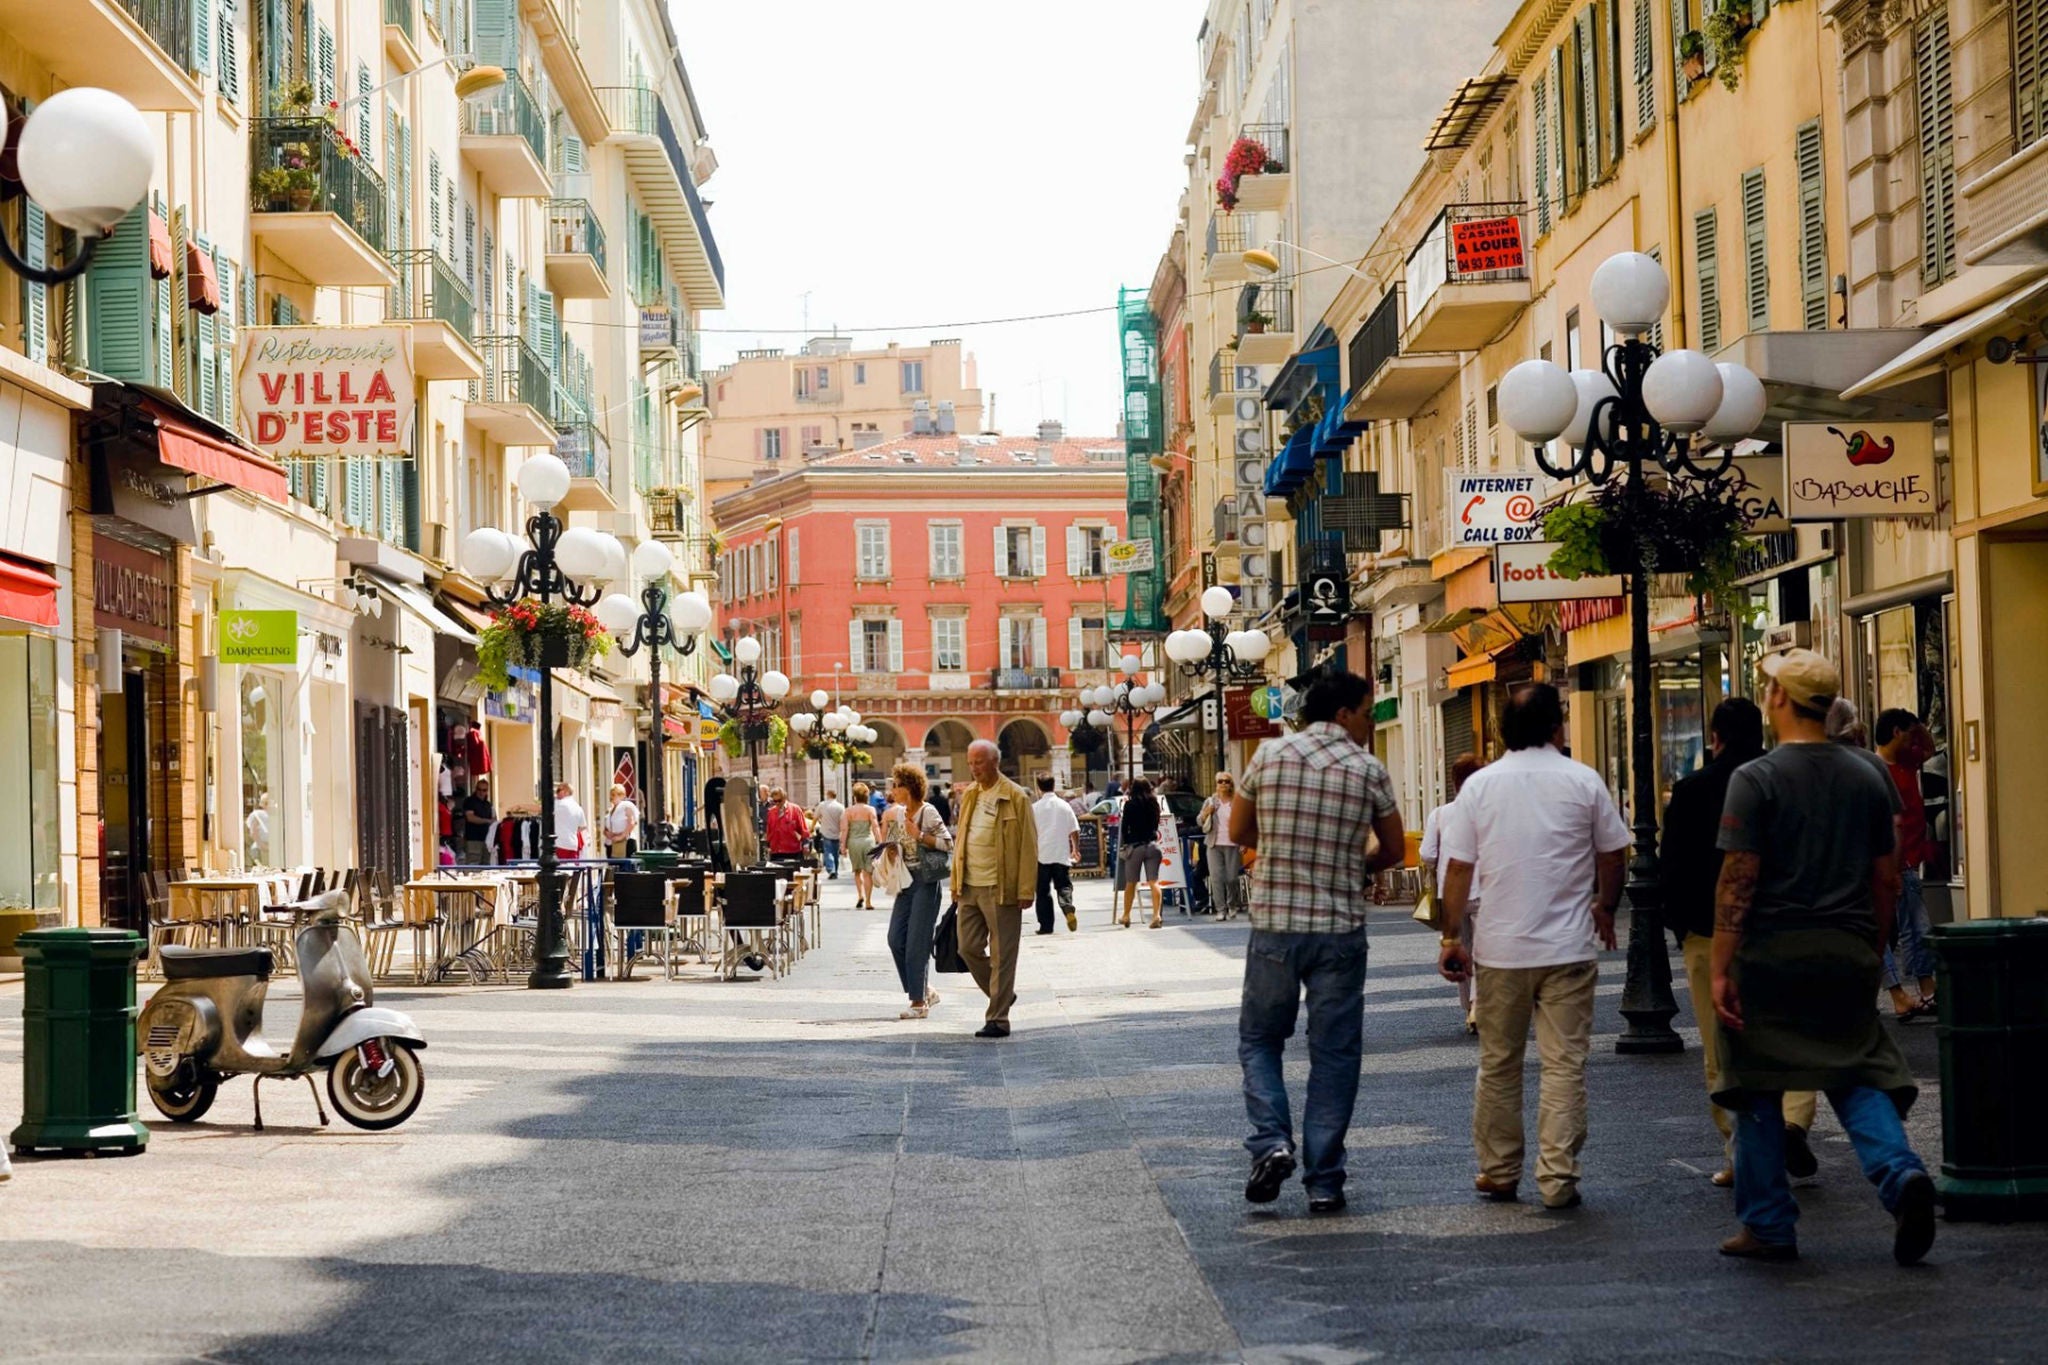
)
(6, 1170)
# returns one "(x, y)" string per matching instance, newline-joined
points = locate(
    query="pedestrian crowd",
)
(1783, 871)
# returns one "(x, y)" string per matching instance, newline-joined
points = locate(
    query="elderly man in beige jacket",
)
(995, 875)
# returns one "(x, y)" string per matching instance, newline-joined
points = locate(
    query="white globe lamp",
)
(1099, 719)
(1538, 400)
(1257, 645)
(1218, 601)
(1129, 664)
(1682, 390)
(1629, 292)
(691, 611)
(652, 559)
(1592, 386)
(819, 698)
(802, 722)
(1069, 719)
(488, 554)
(544, 481)
(1742, 404)
(86, 158)
(581, 552)
(614, 570)
(724, 687)
(618, 613)
(746, 651)
(775, 684)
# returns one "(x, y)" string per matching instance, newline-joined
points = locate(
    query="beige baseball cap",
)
(1808, 678)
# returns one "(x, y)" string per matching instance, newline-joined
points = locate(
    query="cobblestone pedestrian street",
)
(782, 1171)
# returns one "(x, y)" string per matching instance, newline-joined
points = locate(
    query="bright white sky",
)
(937, 161)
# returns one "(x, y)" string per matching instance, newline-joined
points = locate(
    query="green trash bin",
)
(78, 1042)
(657, 859)
(1993, 1030)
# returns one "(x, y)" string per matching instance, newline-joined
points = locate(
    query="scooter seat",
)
(197, 964)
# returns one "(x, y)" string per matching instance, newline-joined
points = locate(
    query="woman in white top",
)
(909, 827)
(1226, 859)
(621, 823)
(1433, 869)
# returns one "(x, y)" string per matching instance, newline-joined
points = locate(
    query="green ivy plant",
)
(1691, 528)
(733, 741)
(1725, 29)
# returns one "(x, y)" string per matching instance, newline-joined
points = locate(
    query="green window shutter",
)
(202, 344)
(321, 497)
(35, 298)
(434, 199)
(388, 520)
(1680, 22)
(1610, 75)
(1586, 137)
(1656, 332)
(224, 342)
(202, 37)
(1560, 137)
(1541, 110)
(547, 336)
(1645, 69)
(295, 478)
(1933, 57)
(175, 343)
(274, 41)
(1756, 254)
(363, 111)
(2029, 70)
(227, 55)
(324, 91)
(497, 32)
(1706, 269)
(1813, 237)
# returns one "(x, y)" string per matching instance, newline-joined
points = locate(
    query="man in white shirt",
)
(570, 822)
(1434, 868)
(1059, 848)
(1553, 848)
(831, 823)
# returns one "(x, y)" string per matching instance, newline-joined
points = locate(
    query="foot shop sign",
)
(325, 392)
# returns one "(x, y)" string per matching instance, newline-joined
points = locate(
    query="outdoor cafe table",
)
(470, 910)
(233, 901)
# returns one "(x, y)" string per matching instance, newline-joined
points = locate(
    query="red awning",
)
(27, 593)
(197, 452)
(202, 286)
(678, 728)
(159, 248)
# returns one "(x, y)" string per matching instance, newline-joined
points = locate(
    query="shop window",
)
(29, 836)
(262, 831)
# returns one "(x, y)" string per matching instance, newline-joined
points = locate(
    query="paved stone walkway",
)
(782, 1171)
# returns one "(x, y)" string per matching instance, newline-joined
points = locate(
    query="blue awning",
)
(1334, 434)
(1293, 465)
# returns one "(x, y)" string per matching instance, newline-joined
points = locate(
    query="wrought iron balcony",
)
(575, 251)
(583, 448)
(656, 160)
(1468, 278)
(505, 135)
(516, 397)
(427, 292)
(317, 205)
(1265, 324)
(1270, 188)
(1024, 680)
(141, 49)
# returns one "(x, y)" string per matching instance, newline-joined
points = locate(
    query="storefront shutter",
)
(1937, 148)
(1645, 69)
(895, 646)
(1459, 736)
(1813, 237)
(1706, 268)
(1756, 253)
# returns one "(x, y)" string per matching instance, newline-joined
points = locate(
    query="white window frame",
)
(955, 565)
(949, 655)
(871, 560)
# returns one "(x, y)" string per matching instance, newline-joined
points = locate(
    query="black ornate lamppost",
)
(564, 564)
(1100, 706)
(1634, 419)
(1231, 657)
(749, 701)
(648, 624)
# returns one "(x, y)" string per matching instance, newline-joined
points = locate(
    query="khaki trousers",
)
(1699, 983)
(1560, 999)
(990, 933)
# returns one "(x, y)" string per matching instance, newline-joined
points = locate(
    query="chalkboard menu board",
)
(1094, 839)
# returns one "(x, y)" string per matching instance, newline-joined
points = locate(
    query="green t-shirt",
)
(1817, 816)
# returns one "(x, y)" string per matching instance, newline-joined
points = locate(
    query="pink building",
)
(949, 588)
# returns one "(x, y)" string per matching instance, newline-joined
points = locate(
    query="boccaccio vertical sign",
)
(325, 392)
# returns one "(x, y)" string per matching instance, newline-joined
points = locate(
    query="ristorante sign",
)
(305, 393)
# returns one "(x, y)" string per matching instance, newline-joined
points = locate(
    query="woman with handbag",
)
(916, 859)
(861, 823)
(1226, 866)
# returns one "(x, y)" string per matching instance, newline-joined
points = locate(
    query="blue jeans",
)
(1763, 1194)
(1911, 932)
(831, 856)
(1277, 968)
(911, 922)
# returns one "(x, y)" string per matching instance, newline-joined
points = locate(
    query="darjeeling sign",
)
(325, 392)
(259, 637)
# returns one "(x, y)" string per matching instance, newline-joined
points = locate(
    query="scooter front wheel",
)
(377, 1098)
(185, 1095)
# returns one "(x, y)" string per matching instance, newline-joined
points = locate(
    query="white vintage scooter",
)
(206, 1025)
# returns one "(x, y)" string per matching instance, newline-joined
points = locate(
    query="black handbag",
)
(946, 943)
(932, 865)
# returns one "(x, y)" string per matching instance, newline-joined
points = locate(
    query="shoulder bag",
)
(933, 864)
(946, 943)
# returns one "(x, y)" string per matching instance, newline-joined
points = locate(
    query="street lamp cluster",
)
(1630, 421)
(1231, 657)
(647, 624)
(820, 727)
(749, 700)
(1100, 706)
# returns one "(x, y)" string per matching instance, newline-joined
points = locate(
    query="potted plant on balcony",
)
(533, 634)
(1226, 193)
(294, 100)
(1692, 55)
(1726, 27)
(1256, 323)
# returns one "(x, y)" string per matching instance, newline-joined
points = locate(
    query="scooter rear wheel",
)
(375, 1102)
(184, 1096)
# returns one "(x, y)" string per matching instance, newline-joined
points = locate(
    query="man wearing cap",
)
(1807, 890)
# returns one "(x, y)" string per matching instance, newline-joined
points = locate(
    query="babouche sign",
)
(325, 392)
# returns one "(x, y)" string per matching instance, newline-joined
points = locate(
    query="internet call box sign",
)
(311, 393)
(1495, 509)
(1859, 469)
(1484, 244)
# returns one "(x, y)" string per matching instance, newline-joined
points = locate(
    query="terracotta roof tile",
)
(981, 452)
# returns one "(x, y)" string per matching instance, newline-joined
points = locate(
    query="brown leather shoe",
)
(1499, 1193)
(1746, 1245)
(1723, 1178)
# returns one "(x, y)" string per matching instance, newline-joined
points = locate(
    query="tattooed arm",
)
(1733, 896)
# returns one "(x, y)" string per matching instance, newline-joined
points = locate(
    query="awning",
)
(27, 593)
(197, 452)
(676, 729)
(1466, 672)
(413, 598)
(1925, 358)
(1455, 620)
(472, 617)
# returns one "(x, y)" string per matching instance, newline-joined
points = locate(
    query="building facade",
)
(770, 410)
(949, 588)
(517, 266)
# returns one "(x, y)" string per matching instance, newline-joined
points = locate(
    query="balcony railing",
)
(583, 447)
(1225, 238)
(573, 230)
(1273, 137)
(1375, 343)
(427, 288)
(399, 14)
(509, 111)
(636, 112)
(1270, 309)
(1024, 680)
(817, 397)
(299, 165)
(514, 373)
(1434, 262)
(168, 24)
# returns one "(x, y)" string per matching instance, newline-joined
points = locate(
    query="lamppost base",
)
(1648, 1036)
(551, 975)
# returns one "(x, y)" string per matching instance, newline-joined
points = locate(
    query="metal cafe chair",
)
(750, 912)
(640, 905)
(696, 917)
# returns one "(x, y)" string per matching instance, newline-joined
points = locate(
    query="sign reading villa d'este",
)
(325, 392)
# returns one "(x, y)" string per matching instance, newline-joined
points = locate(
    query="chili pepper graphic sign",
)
(1871, 469)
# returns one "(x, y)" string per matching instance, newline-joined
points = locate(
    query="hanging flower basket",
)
(1690, 528)
(773, 733)
(534, 635)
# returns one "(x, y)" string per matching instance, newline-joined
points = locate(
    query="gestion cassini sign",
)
(325, 392)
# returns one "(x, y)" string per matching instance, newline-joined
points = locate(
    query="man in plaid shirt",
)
(1307, 803)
